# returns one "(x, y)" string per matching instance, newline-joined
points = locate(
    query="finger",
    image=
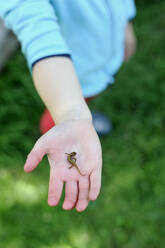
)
(55, 190)
(34, 157)
(82, 202)
(95, 184)
(71, 193)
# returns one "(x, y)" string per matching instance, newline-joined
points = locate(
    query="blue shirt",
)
(91, 32)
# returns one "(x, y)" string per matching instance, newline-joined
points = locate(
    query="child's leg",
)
(46, 121)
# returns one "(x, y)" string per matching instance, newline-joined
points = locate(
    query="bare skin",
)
(72, 160)
(67, 136)
(72, 118)
(130, 42)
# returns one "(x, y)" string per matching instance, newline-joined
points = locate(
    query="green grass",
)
(130, 212)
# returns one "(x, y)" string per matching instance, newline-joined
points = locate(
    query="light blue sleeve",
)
(130, 9)
(35, 24)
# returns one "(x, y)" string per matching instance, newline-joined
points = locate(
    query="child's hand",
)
(130, 42)
(70, 136)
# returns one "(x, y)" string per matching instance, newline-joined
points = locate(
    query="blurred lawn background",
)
(130, 212)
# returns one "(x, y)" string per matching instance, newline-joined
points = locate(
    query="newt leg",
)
(74, 160)
(77, 168)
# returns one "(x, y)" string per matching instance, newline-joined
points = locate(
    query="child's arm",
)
(36, 26)
(58, 86)
(130, 38)
(130, 42)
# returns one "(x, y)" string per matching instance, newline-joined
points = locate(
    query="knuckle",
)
(36, 154)
(52, 194)
(83, 188)
(83, 197)
(71, 197)
(53, 200)
(33, 154)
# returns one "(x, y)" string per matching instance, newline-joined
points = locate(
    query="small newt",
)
(72, 160)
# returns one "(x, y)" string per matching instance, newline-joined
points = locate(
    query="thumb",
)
(34, 157)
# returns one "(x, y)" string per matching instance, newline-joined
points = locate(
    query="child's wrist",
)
(72, 113)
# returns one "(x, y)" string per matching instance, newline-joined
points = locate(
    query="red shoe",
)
(46, 122)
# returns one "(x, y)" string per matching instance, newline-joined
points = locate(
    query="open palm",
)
(71, 136)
